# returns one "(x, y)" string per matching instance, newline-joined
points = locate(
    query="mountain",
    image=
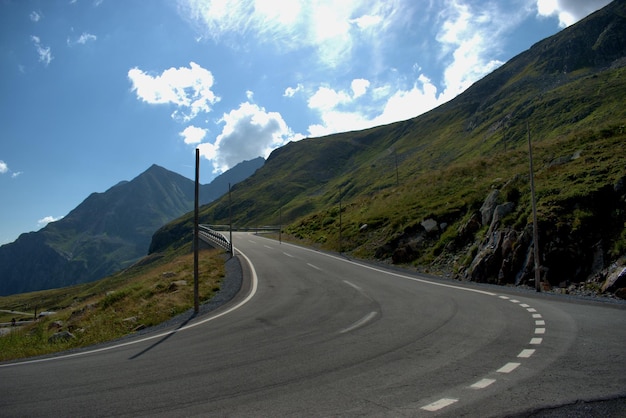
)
(107, 231)
(448, 191)
(219, 185)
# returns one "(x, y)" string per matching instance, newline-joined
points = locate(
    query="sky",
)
(93, 92)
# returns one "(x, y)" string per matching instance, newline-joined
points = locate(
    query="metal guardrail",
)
(213, 237)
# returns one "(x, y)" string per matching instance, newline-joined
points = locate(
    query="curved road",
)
(319, 335)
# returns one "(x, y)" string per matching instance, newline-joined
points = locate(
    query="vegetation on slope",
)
(154, 290)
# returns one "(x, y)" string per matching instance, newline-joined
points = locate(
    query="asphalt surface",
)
(312, 334)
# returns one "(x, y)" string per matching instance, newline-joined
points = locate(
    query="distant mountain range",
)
(107, 231)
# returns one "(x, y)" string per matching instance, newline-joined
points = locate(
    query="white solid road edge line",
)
(160, 335)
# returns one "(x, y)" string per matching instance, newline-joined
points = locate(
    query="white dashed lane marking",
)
(440, 404)
(483, 383)
(526, 353)
(508, 368)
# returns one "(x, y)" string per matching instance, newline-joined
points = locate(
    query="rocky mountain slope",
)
(448, 191)
(107, 231)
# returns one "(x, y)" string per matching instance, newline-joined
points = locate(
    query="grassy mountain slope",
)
(441, 167)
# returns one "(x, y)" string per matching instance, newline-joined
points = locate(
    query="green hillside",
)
(413, 192)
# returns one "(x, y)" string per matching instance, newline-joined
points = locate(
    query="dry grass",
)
(141, 296)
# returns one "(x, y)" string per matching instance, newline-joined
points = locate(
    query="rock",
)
(620, 186)
(168, 274)
(60, 337)
(615, 280)
(489, 205)
(173, 287)
(500, 212)
(467, 231)
(430, 225)
(55, 324)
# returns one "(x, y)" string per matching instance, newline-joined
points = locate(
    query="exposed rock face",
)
(504, 254)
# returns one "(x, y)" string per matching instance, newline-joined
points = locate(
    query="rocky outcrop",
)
(489, 245)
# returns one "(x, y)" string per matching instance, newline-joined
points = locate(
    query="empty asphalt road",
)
(319, 335)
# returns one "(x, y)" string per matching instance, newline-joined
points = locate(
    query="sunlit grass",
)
(158, 289)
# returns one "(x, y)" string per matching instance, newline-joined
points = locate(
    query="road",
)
(319, 335)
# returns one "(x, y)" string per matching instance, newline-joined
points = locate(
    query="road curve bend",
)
(321, 335)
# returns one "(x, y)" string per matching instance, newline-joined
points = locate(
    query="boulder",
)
(488, 207)
(615, 280)
(60, 337)
(430, 225)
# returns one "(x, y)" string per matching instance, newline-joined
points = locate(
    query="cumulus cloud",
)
(569, 11)
(339, 111)
(189, 89)
(291, 91)
(248, 132)
(35, 16)
(44, 52)
(193, 134)
(47, 219)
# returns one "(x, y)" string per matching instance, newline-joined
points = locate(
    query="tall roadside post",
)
(535, 226)
(196, 235)
(230, 220)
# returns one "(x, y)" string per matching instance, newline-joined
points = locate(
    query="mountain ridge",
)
(106, 232)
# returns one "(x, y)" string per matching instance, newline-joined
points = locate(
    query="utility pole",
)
(340, 226)
(395, 155)
(230, 216)
(280, 225)
(196, 234)
(535, 226)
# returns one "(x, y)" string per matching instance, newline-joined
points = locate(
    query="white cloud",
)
(86, 37)
(248, 132)
(82, 39)
(47, 219)
(326, 98)
(569, 11)
(4, 168)
(35, 16)
(189, 89)
(44, 52)
(367, 21)
(330, 27)
(291, 91)
(359, 87)
(193, 134)
(470, 37)
(339, 112)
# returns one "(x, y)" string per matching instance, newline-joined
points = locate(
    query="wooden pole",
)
(535, 226)
(230, 215)
(196, 235)
(340, 225)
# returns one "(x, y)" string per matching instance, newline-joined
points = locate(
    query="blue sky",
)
(93, 92)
